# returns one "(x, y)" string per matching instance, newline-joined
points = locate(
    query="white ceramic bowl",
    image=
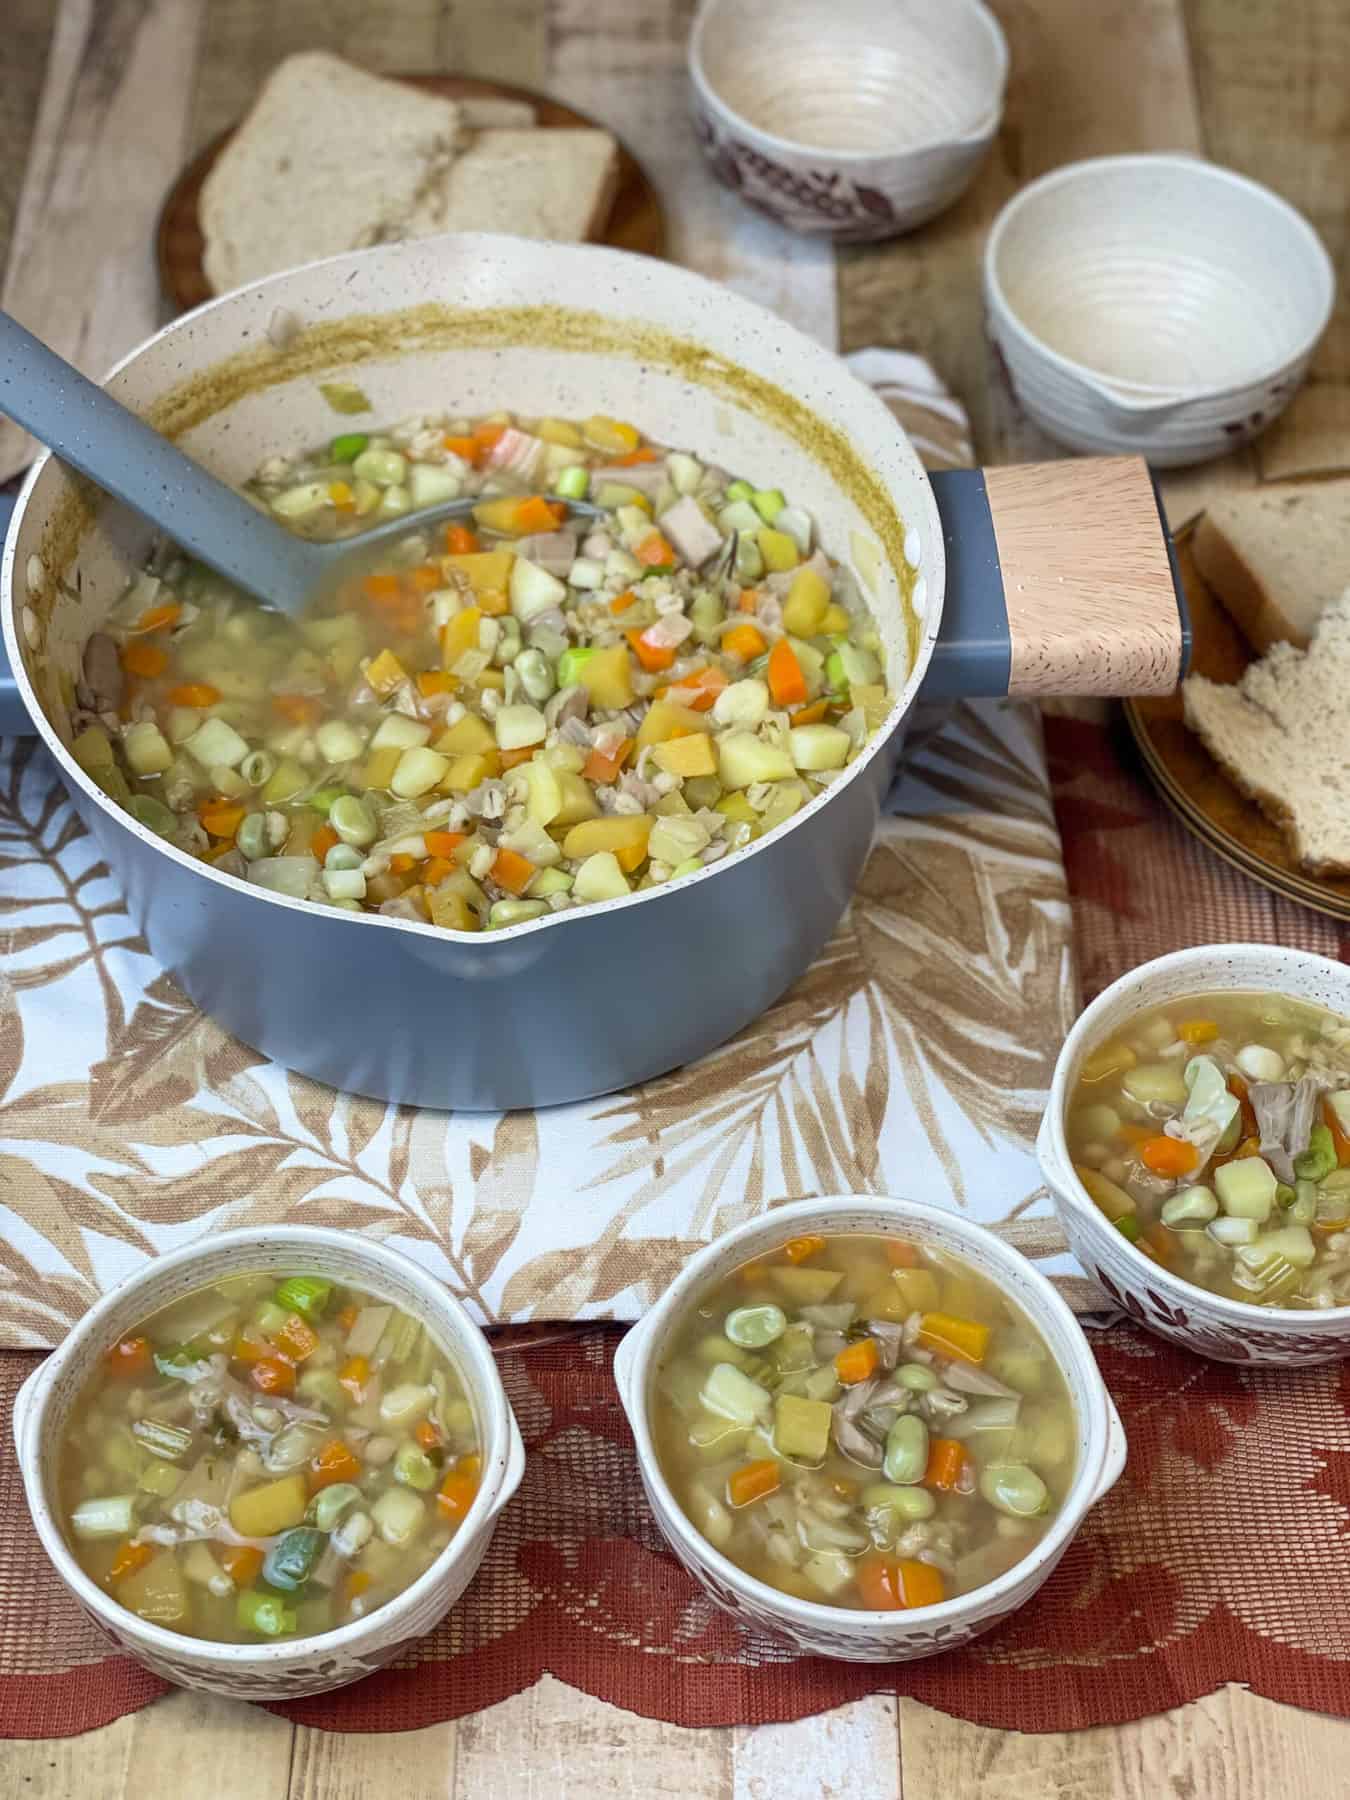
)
(849, 1633)
(303, 1665)
(858, 119)
(1156, 305)
(1227, 1330)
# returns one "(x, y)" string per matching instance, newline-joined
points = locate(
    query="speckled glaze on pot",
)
(1210, 1324)
(847, 1633)
(1154, 305)
(310, 1665)
(901, 102)
(480, 323)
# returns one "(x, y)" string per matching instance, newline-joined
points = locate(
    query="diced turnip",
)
(534, 590)
(430, 483)
(743, 759)
(691, 531)
(732, 1395)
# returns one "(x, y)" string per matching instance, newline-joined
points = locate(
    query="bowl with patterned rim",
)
(301, 1665)
(850, 119)
(1233, 1331)
(853, 1634)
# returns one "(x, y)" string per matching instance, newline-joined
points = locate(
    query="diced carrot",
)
(443, 843)
(643, 454)
(512, 759)
(485, 440)
(464, 447)
(401, 863)
(621, 602)
(128, 1358)
(888, 1585)
(801, 1249)
(434, 870)
(747, 601)
(342, 496)
(512, 871)
(1338, 1137)
(147, 660)
(298, 709)
(698, 690)
(241, 1562)
(249, 1350)
(356, 1583)
(656, 552)
(950, 1336)
(1197, 1031)
(332, 1462)
(155, 618)
(744, 642)
(273, 1375)
(194, 693)
(460, 540)
(752, 1481)
(129, 1558)
(221, 819)
(353, 1376)
(602, 766)
(424, 579)
(535, 514)
(653, 657)
(296, 1339)
(381, 589)
(428, 1435)
(787, 683)
(351, 1312)
(902, 1255)
(856, 1362)
(322, 841)
(1168, 1155)
(946, 1459)
(1238, 1087)
(920, 1583)
(456, 1494)
(436, 681)
(493, 603)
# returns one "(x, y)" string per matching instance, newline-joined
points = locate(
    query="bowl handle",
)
(515, 1463)
(1113, 1461)
(26, 1399)
(1061, 579)
(625, 1358)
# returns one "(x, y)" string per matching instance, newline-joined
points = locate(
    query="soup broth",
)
(1214, 1133)
(267, 1459)
(865, 1422)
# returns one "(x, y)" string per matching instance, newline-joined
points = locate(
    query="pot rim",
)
(475, 1362)
(614, 263)
(1068, 1188)
(1093, 1478)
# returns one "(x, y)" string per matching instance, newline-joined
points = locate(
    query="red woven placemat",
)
(1167, 1592)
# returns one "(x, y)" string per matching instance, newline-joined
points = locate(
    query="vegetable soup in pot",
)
(864, 1422)
(265, 1460)
(1214, 1132)
(504, 719)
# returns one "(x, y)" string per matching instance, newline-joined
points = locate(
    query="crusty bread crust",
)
(1254, 610)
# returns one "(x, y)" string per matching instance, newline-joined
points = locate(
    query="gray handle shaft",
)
(127, 458)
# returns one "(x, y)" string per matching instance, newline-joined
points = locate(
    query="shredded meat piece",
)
(1286, 1112)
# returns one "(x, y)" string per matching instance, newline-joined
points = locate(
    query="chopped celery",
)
(1318, 1160)
(264, 1613)
(306, 1294)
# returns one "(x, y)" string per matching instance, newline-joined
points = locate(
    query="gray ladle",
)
(127, 458)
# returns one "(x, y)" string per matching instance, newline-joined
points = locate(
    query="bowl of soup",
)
(867, 1426)
(1197, 1143)
(264, 1465)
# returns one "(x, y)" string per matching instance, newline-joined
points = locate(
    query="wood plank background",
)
(100, 100)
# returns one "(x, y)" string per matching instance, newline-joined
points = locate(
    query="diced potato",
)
(92, 749)
(385, 673)
(830, 1571)
(465, 773)
(744, 759)
(460, 634)
(469, 736)
(1246, 1188)
(807, 602)
(264, 1511)
(917, 1288)
(623, 835)
(608, 677)
(686, 756)
(666, 719)
(157, 1593)
(146, 749)
(378, 771)
(601, 878)
(1106, 1195)
(817, 747)
(805, 1287)
(578, 802)
(886, 1302)
(499, 515)
(739, 810)
(418, 772)
(779, 552)
(486, 571)
(558, 431)
(801, 1428)
(450, 910)
(1156, 1081)
(1111, 1059)
(610, 435)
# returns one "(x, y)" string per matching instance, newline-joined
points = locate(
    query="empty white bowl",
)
(1155, 305)
(1210, 1324)
(857, 119)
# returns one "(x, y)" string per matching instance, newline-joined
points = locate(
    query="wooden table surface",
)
(100, 102)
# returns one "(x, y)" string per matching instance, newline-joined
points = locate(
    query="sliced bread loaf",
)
(538, 184)
(288, 189)
(1276, 556)
(1282, 734)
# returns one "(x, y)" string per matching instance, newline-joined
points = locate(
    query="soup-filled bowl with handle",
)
(827, 1589)
(656, 968)
(276, 1658)
(1178, 1250)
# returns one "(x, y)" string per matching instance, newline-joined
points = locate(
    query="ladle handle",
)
(129, 459)
(1061, 579)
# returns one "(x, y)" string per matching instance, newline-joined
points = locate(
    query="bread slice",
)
(1275, 557)
(486, 111)
(1282, 734)
(537, 184)
(330, 158)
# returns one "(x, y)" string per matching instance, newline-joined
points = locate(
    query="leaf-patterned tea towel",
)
(913, 1058)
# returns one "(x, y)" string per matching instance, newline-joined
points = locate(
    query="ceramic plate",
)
(1192, 783)
(635, 219)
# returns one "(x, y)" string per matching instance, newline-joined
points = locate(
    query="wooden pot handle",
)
(1061, 579)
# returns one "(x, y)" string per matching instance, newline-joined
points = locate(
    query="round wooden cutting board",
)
(1192, 783)
(635, 220)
